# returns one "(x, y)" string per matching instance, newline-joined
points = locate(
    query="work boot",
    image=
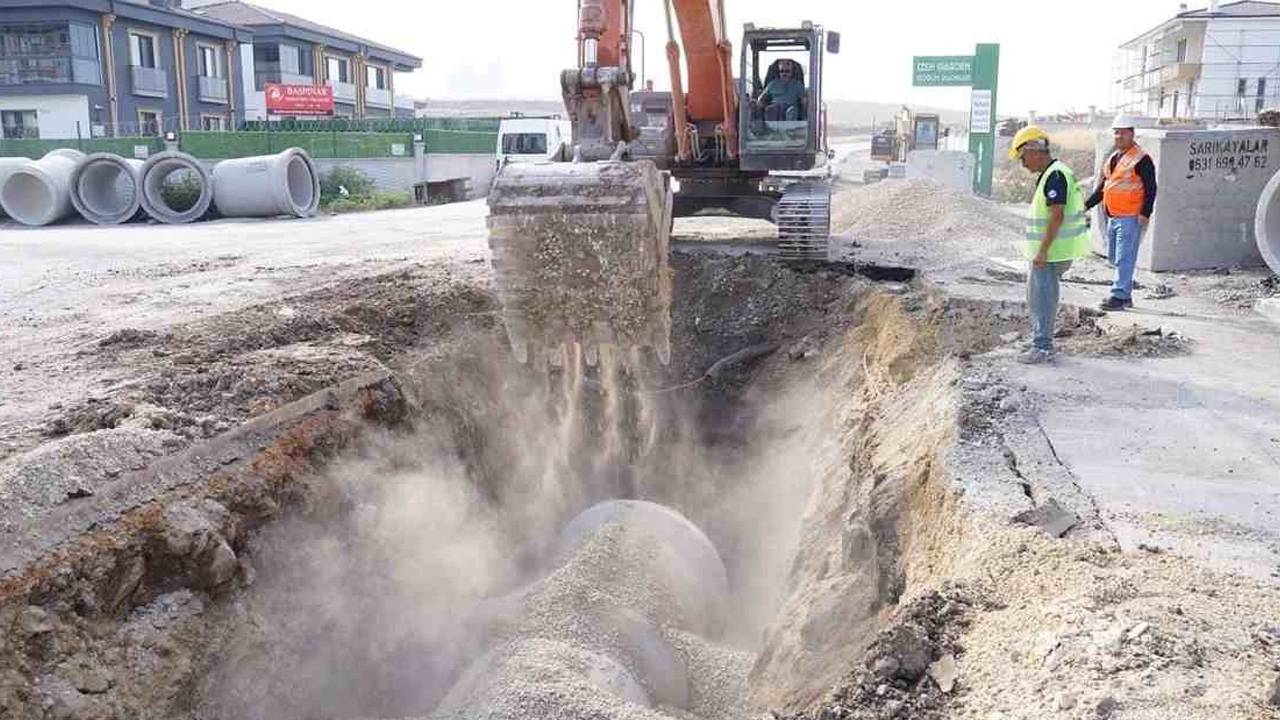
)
(1036, 356)
(1114, 303)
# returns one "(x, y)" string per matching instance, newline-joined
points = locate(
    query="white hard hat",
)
(1124, 121)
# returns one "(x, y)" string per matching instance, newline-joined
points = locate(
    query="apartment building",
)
(295, 51)
(1217, 63)
(92, 68)
(114, 67)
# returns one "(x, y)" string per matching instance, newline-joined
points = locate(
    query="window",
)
(377, 77)
(289, 60)
(1176, 95)
(19, 124)
(149, 123)
(339, 70)
(49, 53)
(210, 61)
(142, 50)
(524, 144)
(213, 123)
(1182, 51)
(1262, 94)
(776, 72)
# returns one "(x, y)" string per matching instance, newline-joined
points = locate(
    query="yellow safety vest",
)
(1072, 241)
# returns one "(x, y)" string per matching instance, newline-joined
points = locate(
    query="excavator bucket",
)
(580, 256)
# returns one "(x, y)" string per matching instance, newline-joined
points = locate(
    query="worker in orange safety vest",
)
(1127, 191)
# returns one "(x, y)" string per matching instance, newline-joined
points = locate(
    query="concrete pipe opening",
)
(107, 189)
(1266, 224)
(267, 185)
(39, 192)
(176, 188)
(7, 167)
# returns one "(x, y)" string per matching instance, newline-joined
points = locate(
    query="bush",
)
(182, 194)
(357, 184)
(375, 201)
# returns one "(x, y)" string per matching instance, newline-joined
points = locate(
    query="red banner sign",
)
(299, 99)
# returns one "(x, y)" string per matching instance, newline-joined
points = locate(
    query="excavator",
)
(580, 243)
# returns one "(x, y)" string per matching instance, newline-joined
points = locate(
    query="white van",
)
(530, 139)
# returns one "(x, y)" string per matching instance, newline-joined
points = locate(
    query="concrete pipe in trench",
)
(39, 191)
(267, 185)
(157, 170)
(107, 189)
(624, 571)
(1266, 223)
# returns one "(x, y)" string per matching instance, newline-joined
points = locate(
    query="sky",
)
(1054, 56)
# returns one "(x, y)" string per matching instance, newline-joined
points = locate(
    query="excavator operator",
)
(783, 97)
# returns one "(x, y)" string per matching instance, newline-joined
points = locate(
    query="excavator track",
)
(804, 221)
(580, 257)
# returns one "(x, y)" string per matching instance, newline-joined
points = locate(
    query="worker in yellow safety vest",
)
(1057, 234)
(1127, 190)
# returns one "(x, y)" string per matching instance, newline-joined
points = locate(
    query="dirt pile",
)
(920, 211)
(909, 671)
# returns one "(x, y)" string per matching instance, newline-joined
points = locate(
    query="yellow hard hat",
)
(1024, 136)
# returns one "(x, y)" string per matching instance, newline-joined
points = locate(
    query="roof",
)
(1241, 9)
(256, 17)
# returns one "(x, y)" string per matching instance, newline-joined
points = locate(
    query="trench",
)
(706, 540)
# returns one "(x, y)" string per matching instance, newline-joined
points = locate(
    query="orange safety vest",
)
(1123, 192)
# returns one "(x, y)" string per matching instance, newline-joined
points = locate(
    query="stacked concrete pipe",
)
(1266, 223)
(107, 189)
(38, 192)
(267, 185)
(156, 170)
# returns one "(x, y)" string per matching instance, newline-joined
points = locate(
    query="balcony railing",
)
(344, 92)
(378, 97)
(213, 89)
(292, 79)
(150, 82)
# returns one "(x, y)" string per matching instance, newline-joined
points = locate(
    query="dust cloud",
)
(376, 600)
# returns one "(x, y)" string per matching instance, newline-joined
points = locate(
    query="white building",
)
(1218, 63)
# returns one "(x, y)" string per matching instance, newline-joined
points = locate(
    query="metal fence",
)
(408, 125)
(221, 145)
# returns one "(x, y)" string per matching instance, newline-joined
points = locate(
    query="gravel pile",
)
(921, 211)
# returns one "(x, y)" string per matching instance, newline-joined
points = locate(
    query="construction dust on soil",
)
(354, 503)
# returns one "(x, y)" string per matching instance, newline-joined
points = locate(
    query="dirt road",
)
(74, 285)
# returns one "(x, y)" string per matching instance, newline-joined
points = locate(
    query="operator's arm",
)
(1056, 214)
(1146, 170)
(1096, 197)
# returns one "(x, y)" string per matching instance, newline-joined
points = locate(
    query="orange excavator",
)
(580, 243)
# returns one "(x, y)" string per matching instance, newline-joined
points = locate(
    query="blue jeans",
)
(1043, 288)
(1124, 235)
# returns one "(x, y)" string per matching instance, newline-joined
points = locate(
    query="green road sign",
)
(982, 115)
(980, 72)
(942, 71)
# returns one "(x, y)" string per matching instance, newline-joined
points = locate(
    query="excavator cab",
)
(781, 113)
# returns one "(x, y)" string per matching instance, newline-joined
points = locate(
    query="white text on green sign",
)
(942, 70)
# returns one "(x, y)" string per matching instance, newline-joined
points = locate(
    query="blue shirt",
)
(785, 92)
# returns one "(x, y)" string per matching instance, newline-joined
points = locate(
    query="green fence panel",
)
(127, 147)
(376, 125)
(220, 145)
(461, 142)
